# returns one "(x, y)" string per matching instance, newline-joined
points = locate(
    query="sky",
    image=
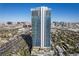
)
(65, 12)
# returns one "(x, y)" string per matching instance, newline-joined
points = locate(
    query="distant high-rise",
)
(41, 24)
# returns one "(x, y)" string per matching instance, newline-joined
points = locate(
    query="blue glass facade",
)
(47, 32)
(47, 26)
(36, 29)
(37, 17)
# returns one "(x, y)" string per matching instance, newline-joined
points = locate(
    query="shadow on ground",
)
(28, 40)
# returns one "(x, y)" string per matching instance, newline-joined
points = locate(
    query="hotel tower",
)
(41, 25)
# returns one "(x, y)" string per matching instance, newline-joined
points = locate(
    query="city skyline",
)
(21, 11)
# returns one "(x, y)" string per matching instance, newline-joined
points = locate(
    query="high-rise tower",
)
(41, 25)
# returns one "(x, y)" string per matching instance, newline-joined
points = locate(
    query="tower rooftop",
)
(42, 7)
